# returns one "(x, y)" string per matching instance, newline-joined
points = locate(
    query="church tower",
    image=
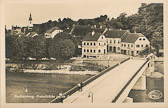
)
(30, 24)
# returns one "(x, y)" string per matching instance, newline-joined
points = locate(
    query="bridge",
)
(113, 85)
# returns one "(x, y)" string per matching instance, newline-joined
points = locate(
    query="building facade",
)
(115, 41)
(94, 45)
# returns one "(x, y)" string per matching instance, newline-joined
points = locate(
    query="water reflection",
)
(142, 95)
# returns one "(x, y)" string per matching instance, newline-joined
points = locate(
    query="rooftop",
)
(90, 37)
(114, 33)
(132, 37)
(52, 29)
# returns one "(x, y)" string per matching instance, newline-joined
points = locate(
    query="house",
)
(94, 45)
(31, 34)
(116, 41)
(16, 30)
(133, 43)
(114, 38)
(50, 33)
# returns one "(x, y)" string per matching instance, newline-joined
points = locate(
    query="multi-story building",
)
(94, 45)
(114, 38)
(116, 41)
(133, 43)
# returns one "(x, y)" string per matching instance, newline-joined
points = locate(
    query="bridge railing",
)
(122, 90)
(75, 88)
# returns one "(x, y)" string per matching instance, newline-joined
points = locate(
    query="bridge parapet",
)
(86, 82)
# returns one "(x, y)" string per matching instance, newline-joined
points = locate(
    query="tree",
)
(39, 47)
(62, 49)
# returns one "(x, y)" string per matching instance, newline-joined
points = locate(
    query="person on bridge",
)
(61, 97)
(80, 86)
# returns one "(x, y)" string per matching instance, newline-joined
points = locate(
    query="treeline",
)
(62, 47)
(148, 21)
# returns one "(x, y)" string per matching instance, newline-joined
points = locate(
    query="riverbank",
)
(62, 72)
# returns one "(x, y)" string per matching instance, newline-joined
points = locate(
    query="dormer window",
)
(143, 38)
(140, 39)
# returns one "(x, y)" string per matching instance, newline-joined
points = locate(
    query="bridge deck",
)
(106, 87)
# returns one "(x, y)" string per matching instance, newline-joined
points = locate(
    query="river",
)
(38, 88)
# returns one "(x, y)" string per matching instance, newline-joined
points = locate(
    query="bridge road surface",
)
(107, 86)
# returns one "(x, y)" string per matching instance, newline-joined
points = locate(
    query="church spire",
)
(30, 18)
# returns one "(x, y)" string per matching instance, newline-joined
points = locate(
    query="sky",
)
(17, 12)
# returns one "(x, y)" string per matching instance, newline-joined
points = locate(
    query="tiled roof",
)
(85, 29)
(52, 29)
(80, 30)
(89, 37)
(132, 37)
(114, 33)
(97, 30)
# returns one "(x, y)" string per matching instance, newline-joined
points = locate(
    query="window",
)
(143, 38)
(128, 45)
(99, 44)
(137, 51)
(91, 44)
(131, 45)
(84, 43)
(84, 50)
(94, 44)
(141, 45)
(102, 37)
(99, 51)
(114, 41)
(118, 48)
(146, 45)
(87, 43)
(104, 43)
(87, 50)
(137, 46)
(110, 41)
(91, 51)
(121, 44)
(118, 42)
(140, 39)
(124, 45)
(94, 51)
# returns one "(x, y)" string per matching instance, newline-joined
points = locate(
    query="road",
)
(106, 87)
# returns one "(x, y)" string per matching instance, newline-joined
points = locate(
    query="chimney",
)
(93, 32)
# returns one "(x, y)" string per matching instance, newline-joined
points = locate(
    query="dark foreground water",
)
(38, 88)
(142, 95)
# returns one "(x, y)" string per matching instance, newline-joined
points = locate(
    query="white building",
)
(133, 43)
(114, 38)
(52, 32)
(94, 45)
(116, 41)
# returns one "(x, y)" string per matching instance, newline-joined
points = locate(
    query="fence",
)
(75, 88)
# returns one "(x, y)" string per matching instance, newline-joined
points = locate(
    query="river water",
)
(142, 95)
(38, 88)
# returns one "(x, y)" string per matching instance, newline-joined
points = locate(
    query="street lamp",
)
(91, 95)
(108, 61)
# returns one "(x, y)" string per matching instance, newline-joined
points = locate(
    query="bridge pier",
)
(140, 84)
(128, 100)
